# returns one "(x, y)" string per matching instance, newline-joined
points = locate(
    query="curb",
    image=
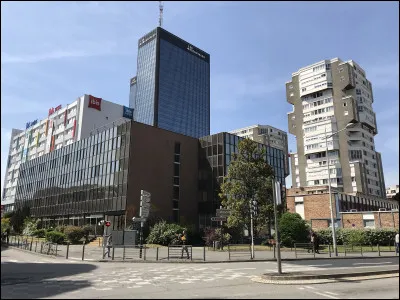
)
(201, 261)
(326, 276)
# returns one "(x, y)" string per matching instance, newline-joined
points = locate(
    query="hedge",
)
(356, 237)
(74, 233)
(55, 237)
(40, 233)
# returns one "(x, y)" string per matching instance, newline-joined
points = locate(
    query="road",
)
(25, 275)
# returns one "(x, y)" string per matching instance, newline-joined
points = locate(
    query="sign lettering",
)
(147, 38)
(53, 110)
(94, 102)
(191, 49)
(133, 80)
(127, 112)
(30, 124)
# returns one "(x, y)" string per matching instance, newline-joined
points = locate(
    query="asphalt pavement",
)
(26, 275)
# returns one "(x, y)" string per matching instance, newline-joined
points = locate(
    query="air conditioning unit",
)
(353, 210)
(382, 209)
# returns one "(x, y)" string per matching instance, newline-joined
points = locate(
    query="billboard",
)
(127, 112)
(94, 102)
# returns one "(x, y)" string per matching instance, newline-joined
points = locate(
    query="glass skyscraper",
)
(172, 89)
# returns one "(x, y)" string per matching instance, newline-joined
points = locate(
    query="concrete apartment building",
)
(266, 135)
(62, 126)
(326, 96)
(392, 191)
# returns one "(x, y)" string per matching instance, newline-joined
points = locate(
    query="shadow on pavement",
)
(38, 280)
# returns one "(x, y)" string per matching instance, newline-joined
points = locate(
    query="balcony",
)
(58, 140)
(71, 114)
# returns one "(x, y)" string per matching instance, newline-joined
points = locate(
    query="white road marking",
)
(319, 265)
(329, 296)
(379, 263)
(332, 293)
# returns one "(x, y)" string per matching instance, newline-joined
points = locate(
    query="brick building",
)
(312, 203)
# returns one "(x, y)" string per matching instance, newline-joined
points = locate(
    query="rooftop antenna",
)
(160, 19)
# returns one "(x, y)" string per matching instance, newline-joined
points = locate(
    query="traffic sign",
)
(218, 219)
(136, 219)
(223, 212)
(108, 223)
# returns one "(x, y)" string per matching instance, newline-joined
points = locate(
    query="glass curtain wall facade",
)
(146, 80)
(215, 158)
(86, 178)
(173, 85)
(132, 92)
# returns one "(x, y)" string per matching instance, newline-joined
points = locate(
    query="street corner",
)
(295, 278)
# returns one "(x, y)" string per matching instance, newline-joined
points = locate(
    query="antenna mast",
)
(160, 19)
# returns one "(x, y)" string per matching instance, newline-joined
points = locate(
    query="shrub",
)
(87, 230)
(30, 226)
(5, 224)
(214, 234)
(40, 233)
(73, 233)
(60, 228)
(55, 237)
(354, 237)
(293, 229)
(163, 233)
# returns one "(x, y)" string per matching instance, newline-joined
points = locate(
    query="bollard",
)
(361, 251)
(345, 252)
(191, 253)
(30, 249)
(41, 247)
(204, 253)
(99, 242)
(379, 250)
(329, 249)
(83, 251)
(168, 252)
(123, 253)
(295, 251)
(229, 252)
(113, 253)
(66, 256)
(275, 252)
(157, 253)
(144, 256)
(35, 246)
(56, 249)
(18, 243)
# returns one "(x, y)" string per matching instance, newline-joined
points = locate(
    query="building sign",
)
(53, 110)
(133, 80)
(147, 38)
(30, 124)
(194, 51)
(127, 112)
(94, 102)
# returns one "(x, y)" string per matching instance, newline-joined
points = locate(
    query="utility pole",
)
(276, 192)
(160, 18)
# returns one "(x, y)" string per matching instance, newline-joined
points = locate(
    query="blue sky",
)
(54, 52)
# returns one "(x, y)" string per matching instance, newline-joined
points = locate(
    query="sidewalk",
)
(199, 254)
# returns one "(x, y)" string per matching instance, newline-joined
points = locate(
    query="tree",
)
(293, 229)
(396, 197)
(249, 179)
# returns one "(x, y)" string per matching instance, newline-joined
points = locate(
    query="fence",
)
(236, 252)
(177, 251)
(239, 250)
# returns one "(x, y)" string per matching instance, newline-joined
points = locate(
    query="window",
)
(345, 104)
(177, 148)
(369, 223)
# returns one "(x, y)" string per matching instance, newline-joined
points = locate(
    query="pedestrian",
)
(109, 245)
(311, 236)
(396, 239)
(184, 247)
(316, 243)
(8, 235)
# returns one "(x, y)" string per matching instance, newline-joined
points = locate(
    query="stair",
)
(96, 242)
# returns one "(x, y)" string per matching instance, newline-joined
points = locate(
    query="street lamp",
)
(329, 184)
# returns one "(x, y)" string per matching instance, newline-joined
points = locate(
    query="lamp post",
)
(329, 185)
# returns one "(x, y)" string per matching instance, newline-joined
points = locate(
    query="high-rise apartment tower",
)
(326, 96)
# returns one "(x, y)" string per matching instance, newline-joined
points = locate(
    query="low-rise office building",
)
(101, 176)
(392, 191)
(312, 203)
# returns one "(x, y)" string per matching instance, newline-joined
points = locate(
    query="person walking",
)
(184, 247)
(316, 243)
(109, 245)
(311, 236)
(396, 240)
